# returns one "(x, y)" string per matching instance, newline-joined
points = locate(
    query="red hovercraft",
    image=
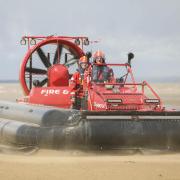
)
(117, 114)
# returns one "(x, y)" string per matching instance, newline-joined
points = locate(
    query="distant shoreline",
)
(153, 80)
(9, 81)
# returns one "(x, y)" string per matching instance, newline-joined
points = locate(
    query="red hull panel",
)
(52, 96)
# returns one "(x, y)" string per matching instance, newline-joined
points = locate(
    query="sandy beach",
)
(77, 165)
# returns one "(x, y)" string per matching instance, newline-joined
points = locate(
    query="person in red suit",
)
(78, 81)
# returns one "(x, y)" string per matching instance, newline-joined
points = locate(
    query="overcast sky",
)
(148, 28)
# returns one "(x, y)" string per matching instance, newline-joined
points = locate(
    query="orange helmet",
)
(99, 54)
(83, 59)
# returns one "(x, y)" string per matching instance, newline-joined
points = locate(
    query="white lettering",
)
(43, 91)
(47, 92)
(51, 91)
(57, 91)
(65, 91)
(99, 105)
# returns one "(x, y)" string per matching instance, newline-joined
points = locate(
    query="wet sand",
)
(52, 165)
(77, 165)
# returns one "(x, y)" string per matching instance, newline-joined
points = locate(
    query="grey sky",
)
(150, 29)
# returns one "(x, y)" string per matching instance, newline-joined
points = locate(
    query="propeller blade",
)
(35, 70)
(58, 53)
(43, 58)
(72, 52)
(71, 61)
(43, 82)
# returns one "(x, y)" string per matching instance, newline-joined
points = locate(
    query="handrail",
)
(144, 83)
(152, 90)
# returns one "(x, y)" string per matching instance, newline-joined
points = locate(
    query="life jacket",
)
(81, 72)
(78, 78)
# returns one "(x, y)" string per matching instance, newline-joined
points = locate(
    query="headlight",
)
(109, 86)
(152, 101)
(33, 42)
(77, 42)
(23, 41)
(86, 42)
(114, 100)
